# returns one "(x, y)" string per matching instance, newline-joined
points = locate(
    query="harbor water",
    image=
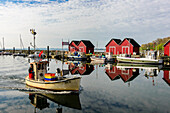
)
(105, 88)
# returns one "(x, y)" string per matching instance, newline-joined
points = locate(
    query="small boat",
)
(98, 58)
(39, 78)
(7, 53)
(138, 66)
(36, 55)
(138, 60)
(149, 59)
(19, 54)
(77, 56)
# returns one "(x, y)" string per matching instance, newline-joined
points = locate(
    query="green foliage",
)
(156, 44)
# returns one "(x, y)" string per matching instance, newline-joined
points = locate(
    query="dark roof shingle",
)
(116, 40)
(87, 43)
(132, 41)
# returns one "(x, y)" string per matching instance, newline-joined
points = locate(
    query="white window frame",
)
(81, 48)
(125, 49)
(114, 49)
(112, 69)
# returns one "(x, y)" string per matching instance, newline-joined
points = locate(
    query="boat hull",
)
(75, 58)
(69, 84)
(139, 61)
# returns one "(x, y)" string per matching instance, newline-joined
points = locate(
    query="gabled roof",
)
(166, 43)
(116, 40)
(132, 41)
(76, 42)
(87, 43)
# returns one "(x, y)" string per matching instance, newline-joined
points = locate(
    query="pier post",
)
(47, 51)
(13, 50)
(28, 50)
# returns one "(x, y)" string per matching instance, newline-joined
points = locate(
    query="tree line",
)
(156, 44)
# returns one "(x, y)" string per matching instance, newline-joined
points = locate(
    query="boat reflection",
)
(40, 100)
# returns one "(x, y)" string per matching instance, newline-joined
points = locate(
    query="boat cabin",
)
(39, 69)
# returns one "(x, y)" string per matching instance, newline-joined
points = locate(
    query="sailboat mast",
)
(3, 44)
(21, 43)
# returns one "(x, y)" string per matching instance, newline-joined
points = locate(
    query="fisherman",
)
(31, 72)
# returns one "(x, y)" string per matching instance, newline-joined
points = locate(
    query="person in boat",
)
(31, 72)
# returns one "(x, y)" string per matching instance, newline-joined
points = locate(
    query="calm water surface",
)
(104, 89)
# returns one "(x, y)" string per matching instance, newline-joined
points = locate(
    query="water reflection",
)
(80, 68)
(40, 101)
(126, 74)
(166, 76)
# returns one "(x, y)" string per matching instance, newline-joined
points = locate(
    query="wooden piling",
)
(13, 50)
(28, 50)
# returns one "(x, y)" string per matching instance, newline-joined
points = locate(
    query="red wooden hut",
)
(73, 46)
(129, 46)
(167, 49)
(86, 46)
(113, 46)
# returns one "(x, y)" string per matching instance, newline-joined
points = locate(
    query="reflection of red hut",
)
(73, 69)
(113, 73)
(126, 75)
(167, 49)
(113, 46)
(166, 77)
(129, 45)
(85, 69)
(73, 46)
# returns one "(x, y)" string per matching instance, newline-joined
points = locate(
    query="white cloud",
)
(92, 19)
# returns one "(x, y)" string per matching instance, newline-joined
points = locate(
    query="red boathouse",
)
(86, 46)
(167, 49)
(113, 46)
(82, 46)
(73, 46)
(129, 46)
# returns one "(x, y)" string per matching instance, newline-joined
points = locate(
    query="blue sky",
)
(94, 20)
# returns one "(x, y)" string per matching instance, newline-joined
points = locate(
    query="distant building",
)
(113, 46)
(167, 49)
